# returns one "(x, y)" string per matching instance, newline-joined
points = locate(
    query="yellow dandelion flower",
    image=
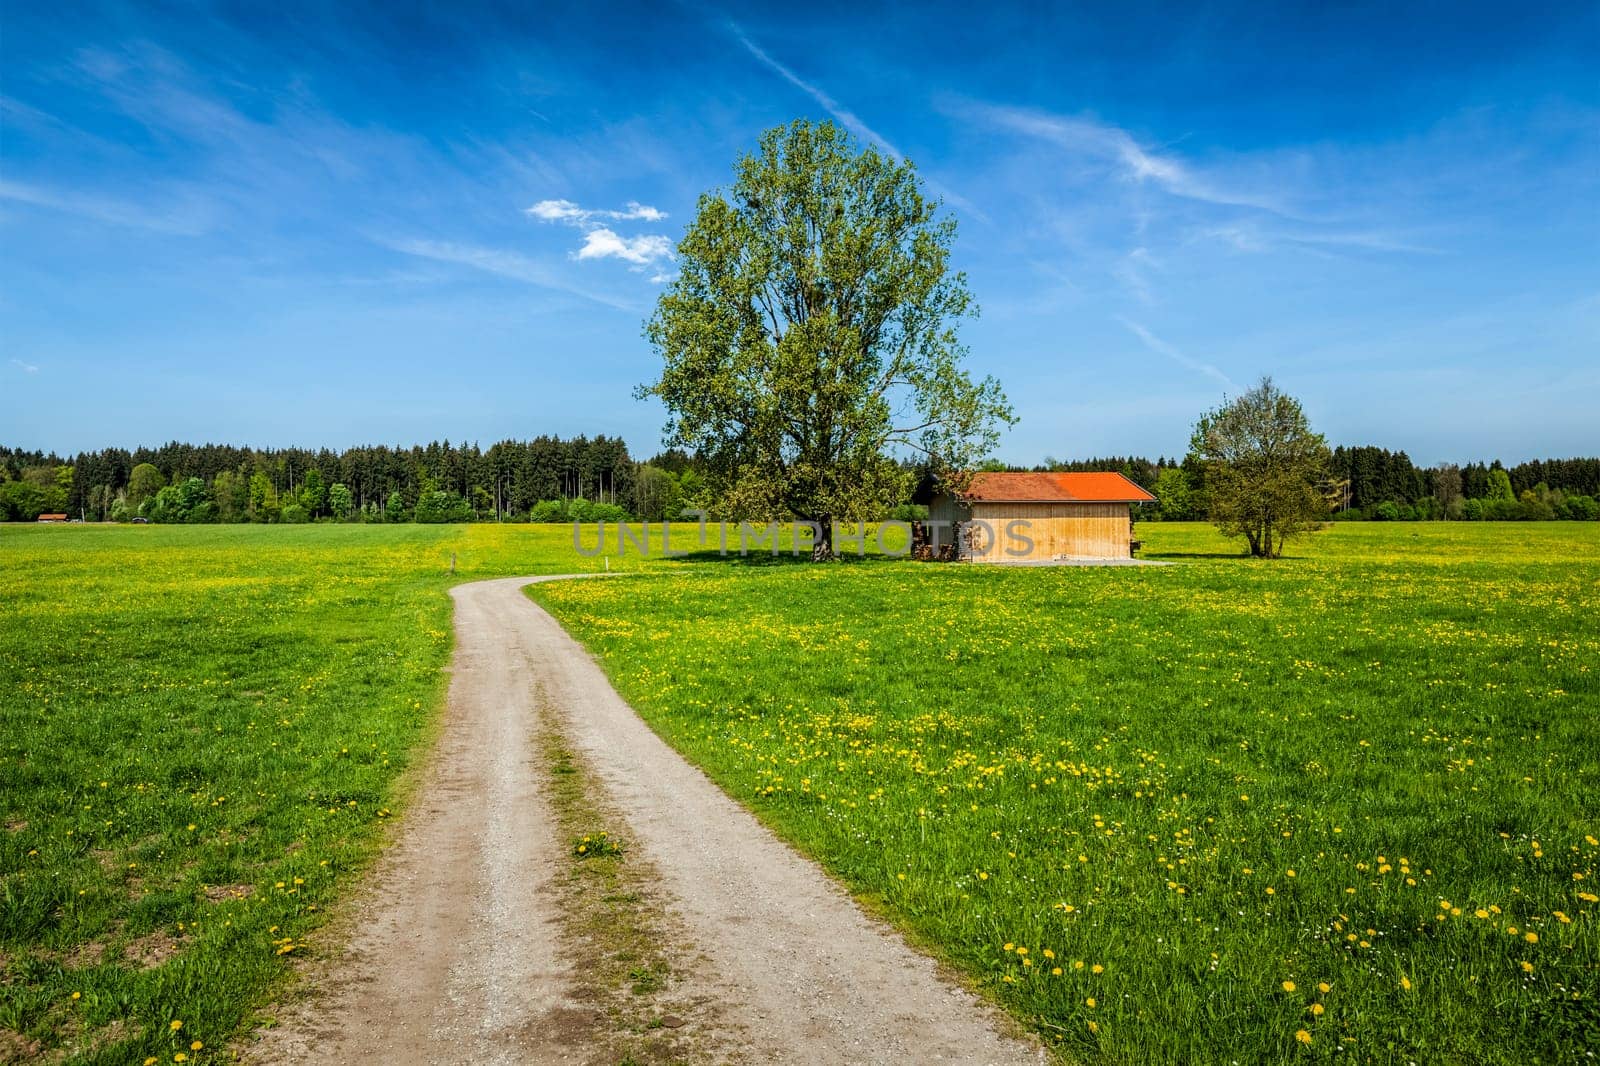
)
(1532, 938)
(1055, 971)
(1288, 986)
(1302, 1036)
(1324, 987)
(196, 1046)
(1089, 1003)
(1405, 983)
(1097, 968)
(1527, 967)
(1316, 1008)
(175, 1026)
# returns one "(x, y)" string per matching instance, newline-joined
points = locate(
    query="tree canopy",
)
(810, 339)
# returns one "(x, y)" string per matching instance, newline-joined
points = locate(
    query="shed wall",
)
(1078, 530)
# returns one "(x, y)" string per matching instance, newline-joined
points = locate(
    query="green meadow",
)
(1343, 806)
(202, 733)
(1218, 786)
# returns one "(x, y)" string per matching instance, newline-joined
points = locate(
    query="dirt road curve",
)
(461, 952)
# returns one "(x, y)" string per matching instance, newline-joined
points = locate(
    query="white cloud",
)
(1161, 347)
(26, 368)
(557, 211)
(569, 212)
(602, 243)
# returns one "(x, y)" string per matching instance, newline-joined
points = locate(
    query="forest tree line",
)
(1370, 483)
(550, 479)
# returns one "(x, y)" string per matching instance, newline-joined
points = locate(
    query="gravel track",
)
(455, 951)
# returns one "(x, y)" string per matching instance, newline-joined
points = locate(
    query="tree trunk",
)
(822, 544)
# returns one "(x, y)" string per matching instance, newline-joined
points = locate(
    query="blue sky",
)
(274, 224)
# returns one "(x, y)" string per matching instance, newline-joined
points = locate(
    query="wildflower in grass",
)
(1055, 971)
(176, 1025)
(1324, 987)
(1010, 947)
(77, 995)
(1302, 1036)
(1532, 938)
(1097, 968)
(1093, 1028)
(1316, 1009)
(1089, 1003)
(1405, 982)
(1047, 953)
(196, 1046)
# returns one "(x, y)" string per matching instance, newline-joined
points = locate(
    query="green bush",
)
(438, 507)
(548, 511)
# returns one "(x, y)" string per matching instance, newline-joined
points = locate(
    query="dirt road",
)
(476, 941)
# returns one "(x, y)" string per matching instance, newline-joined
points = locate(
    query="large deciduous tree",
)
(809, 338)
(1262, 464)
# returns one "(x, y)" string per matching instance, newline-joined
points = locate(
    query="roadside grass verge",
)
(201, 733)
(1342, 805)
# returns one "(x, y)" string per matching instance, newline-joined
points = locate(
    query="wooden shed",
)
(1040, 517)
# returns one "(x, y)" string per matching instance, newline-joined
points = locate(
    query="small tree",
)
(144, 483)
(314, 493)
(1262, 464)
(1175, 496)
(811, 333)
(340, 501)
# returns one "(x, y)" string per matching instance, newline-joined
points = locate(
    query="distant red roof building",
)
(52, 518)
(1098, 487)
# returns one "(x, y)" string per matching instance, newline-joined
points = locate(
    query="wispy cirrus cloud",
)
(1161, 347)
(1112, 144)
(847, 118)
(506, 264)
(26, 368)
(183, 221)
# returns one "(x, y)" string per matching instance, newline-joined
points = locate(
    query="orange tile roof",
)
(1096, 487)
